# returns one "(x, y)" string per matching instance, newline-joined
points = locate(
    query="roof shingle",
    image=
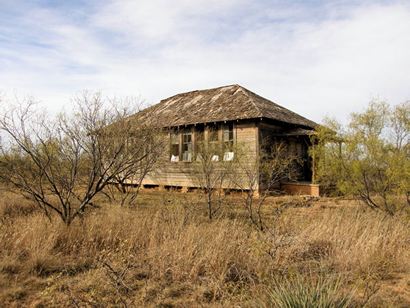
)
(218, 104)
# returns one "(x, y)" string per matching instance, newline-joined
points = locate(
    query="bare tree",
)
(143, 150)
(64, 163)
(258, 178)
(211, 171)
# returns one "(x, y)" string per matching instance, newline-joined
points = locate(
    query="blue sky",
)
(317, 58)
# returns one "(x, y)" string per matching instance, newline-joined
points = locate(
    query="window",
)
(187, 146)
(174, 151)
(199, 142)
(213, 142)
(228, 142)
(228, 137)
(213, 135)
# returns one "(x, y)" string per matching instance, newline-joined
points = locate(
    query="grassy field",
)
(166, 253)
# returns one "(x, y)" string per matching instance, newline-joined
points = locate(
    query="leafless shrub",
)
(260, 178)
(212, 173)
(63, 163)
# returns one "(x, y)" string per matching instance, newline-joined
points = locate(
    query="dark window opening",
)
(228, 142)
(199, 141)
(213, 141)
(187, 146)
(213, 134)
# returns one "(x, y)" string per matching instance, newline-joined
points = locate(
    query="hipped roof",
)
(226, 103)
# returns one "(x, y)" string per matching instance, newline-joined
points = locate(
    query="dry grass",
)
(166, 253)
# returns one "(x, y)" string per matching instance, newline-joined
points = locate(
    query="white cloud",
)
(330, 64)
(160, 19)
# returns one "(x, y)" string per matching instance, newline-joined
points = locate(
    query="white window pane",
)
(228, 156)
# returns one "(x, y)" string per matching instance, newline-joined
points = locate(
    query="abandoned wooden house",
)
(226, 115)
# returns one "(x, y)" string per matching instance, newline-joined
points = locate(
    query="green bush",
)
(369, 158)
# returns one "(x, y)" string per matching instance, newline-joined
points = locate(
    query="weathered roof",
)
(218, 104)
(297, 132)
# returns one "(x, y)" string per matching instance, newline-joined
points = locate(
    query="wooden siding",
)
(301, 188)
(248, 138)
(182, 174)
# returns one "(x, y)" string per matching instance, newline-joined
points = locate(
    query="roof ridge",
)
(271, 102)
(202, 90)
(247, 92)
(259, 96)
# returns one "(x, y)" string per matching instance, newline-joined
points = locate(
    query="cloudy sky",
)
(314, 57)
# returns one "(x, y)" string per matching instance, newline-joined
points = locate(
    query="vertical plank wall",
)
(181, 174)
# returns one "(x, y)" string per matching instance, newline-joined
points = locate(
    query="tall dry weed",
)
(170, 254)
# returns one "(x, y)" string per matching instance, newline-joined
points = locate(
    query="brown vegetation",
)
(166, 253)
(62, 163)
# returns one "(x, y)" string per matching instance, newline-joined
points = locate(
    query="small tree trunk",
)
(209, 203)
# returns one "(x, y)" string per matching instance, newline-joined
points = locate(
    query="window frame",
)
(214, 129)
(199, 141)
(189, 145)
(231, 139)
(228, 141)
(174, 143)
